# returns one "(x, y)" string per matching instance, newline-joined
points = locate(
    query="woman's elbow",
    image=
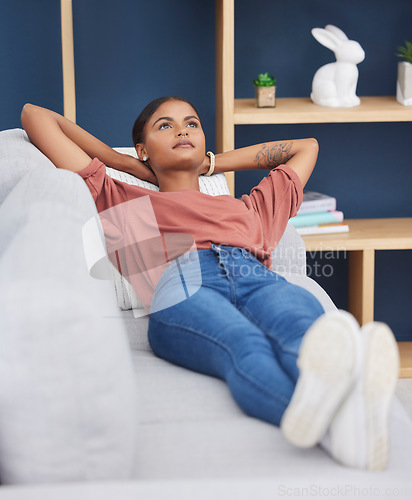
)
(26, 111)
(32, 117)
(313, 144)
(308, 147)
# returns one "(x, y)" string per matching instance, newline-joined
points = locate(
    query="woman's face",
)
(174, 138)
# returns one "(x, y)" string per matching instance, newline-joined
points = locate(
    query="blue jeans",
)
(244, 325)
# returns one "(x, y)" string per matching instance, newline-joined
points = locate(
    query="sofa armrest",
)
(290, 254)
(18, 156)
(68, 405)
(289, 260)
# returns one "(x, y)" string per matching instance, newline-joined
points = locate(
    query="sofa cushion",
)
(192, 429)
(67, 392)
(289, 256)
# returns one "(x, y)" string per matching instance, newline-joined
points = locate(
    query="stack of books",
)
(318, 215)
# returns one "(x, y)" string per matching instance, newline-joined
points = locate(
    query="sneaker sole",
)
(380, 376)
(329, 360)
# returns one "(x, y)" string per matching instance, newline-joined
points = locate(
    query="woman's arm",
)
(70, 147)
(299, 154)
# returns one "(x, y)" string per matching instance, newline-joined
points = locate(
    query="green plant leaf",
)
(405, 52)
(264, 80)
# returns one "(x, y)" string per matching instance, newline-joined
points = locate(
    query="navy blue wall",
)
(130, 51)
(30, 57)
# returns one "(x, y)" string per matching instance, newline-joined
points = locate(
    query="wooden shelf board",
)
(405, 353)
(303, 110)
(366, 234)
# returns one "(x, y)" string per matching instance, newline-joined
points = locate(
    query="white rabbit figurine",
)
(335, 84)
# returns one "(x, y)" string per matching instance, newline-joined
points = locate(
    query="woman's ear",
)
(141, 152)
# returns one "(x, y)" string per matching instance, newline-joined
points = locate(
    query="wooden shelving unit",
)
(303, 110)
(231, 112)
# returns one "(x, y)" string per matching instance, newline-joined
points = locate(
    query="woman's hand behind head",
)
(139, 169)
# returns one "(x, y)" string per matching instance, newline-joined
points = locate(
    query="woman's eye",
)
(164, 126)
(192, 124)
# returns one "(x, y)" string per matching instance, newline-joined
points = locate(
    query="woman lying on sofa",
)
(317, 375)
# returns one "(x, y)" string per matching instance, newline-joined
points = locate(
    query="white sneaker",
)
(359, 432)
(329, 362)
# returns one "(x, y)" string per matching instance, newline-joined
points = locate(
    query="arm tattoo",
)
(272, 156)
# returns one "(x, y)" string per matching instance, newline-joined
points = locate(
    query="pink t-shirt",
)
(179, 221)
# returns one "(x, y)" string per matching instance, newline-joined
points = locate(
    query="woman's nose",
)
(182, 133)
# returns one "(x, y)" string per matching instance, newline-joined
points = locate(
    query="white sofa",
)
(86, 409)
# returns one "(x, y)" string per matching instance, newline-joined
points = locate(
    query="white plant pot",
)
(404, 84)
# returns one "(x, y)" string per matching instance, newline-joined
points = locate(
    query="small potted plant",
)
(404, 84)
(265, 91)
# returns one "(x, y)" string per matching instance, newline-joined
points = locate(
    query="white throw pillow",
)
(214, 185)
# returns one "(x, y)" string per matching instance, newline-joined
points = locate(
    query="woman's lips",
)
(183, 144)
